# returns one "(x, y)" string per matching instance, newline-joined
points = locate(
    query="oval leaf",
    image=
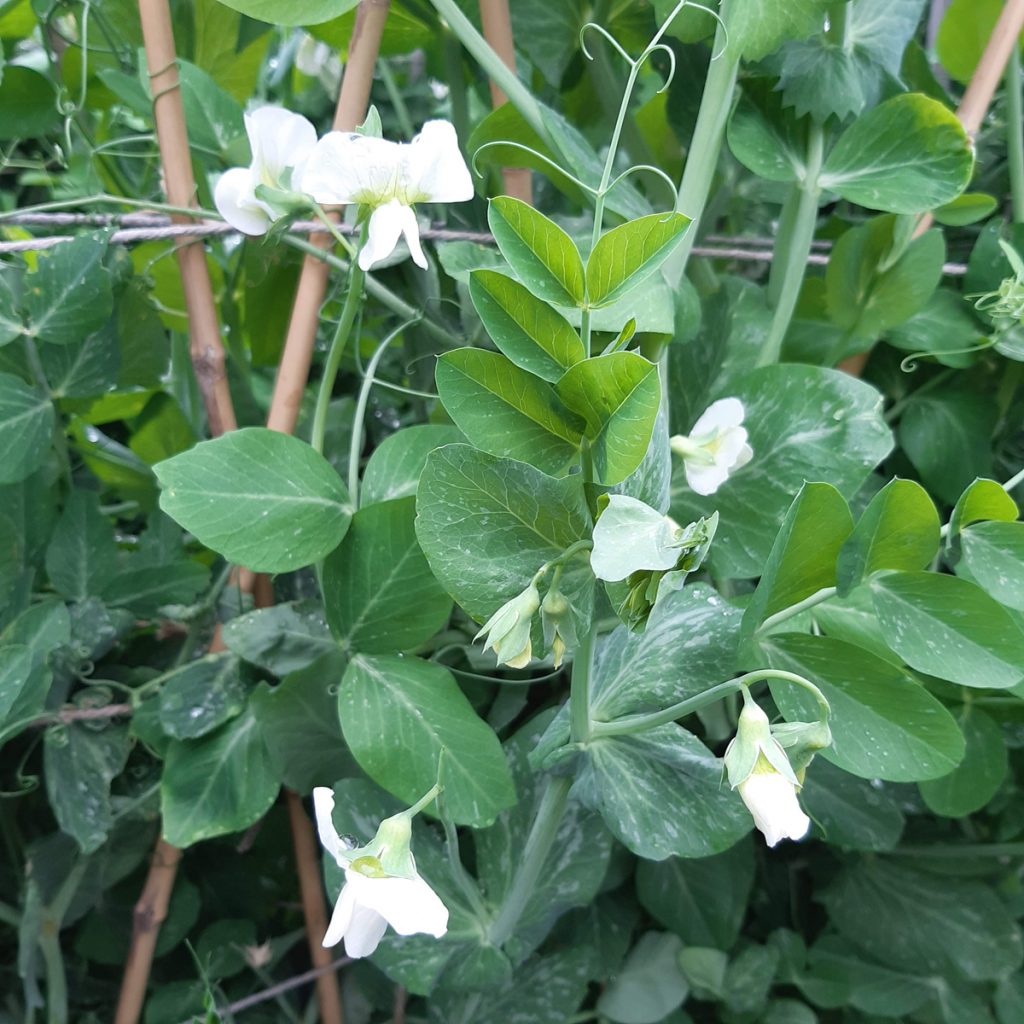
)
(26, 429)
(259, 498)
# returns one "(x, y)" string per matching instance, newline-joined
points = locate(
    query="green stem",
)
(542, 835)
(702, 158)
(1015, 134)
(356, 444)
(397, 99)
(506, 80)
(579, 688)
(336, 351)
(585, 320)
(455, 76)
(49, 944)
(795, 609)
(794, 246)
(630, 724)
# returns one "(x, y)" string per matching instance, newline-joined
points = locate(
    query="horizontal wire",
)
(140, 227)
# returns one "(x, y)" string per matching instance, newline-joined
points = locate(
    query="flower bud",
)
(559, 628)
(508, 629)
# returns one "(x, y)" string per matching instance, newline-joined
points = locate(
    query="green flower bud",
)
(508, 629)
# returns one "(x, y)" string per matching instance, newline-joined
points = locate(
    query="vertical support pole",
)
(497, 25)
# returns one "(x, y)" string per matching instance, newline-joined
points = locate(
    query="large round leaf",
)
(292, 12)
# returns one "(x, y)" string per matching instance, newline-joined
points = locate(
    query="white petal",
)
(236, 202)
(704, 479)
(341, 918)
(745, 455)
(345, 167)
(323, 806)
(726, 412)
(387, 224)
(729, 446)
(409, 904)
(279, 139)
(772, 801)
(365, 932)
(433, 167)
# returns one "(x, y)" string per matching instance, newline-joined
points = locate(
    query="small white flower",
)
(389, 177)
(716, 447)
(372, 897)
(771, 799)
(319, 60)
(281, 142)
(508, 629)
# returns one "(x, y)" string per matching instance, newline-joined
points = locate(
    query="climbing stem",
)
(579, 688)
(1015, 134)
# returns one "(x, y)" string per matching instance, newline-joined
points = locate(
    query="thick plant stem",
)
(300, 340)
(542, 835)
(579, 688)
(1015, 134)
(702, 158)
(794, 246)
(497, 25)
(337, 349)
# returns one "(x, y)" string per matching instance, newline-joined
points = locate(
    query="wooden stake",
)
(353, 102)
(973, 107)
(497, 25)
(179, 186)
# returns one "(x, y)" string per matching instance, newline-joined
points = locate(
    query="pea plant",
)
(638, 604)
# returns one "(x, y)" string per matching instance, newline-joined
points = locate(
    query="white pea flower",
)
(281, 142)
(759, 768)
(389, 178)
(508, 629)
(716, 447)
(382, 886)
(771, 799)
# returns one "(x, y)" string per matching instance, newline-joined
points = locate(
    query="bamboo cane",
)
(353, 101)
(497, 25)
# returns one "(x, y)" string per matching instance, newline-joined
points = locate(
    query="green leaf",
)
(983, 500)
(542, 255)
(944, 328)
(219, 784)
(966, 28)
(947, 435)
(968, 208)
(618, 396)
(24, 683)
(292, 12)
(28, 104)
(393, 470)
(867, 291)
(200, 696)
(703, 900)
(487, 525)
(756, 27)
(764, 138)
(26, 429)
(83, 368)
(898, 530)
(661, 794)
(907, 155)
(978, 777)
(805, 423)
(649, 984)
(161, 431)
(505, 410)
(282, 639)
(872, 901)
(79, 764)
(71, 293)
(146, 589)
(534, 336)
(261, 499)
(950, 628)
(82, 556)
(803, 557)
(42, 628)
(299, 722)
(994, 556)
(851, 813)
(885, 725)
(378, 589)
(629, 254)
(399, 713)
(10, 319)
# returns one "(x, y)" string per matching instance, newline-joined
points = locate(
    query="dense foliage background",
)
(656, 903)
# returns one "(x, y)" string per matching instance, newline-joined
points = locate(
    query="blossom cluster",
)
(291, 169)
